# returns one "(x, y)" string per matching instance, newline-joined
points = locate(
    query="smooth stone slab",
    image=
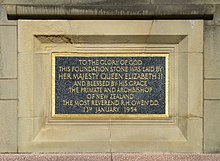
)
(211, 126)
(212, 89)
(8, 88)
(8, 51)
(211, 52)
(8, 126)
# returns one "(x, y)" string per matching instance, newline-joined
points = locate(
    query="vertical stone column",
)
(8, 83)
(212, 84)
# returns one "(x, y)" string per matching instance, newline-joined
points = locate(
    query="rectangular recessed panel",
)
(109, 85)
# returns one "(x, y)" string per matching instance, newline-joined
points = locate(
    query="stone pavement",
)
(111, 157)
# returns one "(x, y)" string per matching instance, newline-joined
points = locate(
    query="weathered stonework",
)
(34, 87)
(24, 101)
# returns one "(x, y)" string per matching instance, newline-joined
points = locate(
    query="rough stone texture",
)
(211, 126)
(57, 157)
(164, 157)
(8, 126)
(212, 89)
(211, 52)
(110, 157)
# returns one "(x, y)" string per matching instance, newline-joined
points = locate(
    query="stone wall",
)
(8, 83)
(212, 83)
(9, 68)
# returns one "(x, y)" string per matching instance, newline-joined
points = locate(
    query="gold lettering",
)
(107, 109)
(64, 76)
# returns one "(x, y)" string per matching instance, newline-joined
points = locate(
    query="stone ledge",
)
(111, 11)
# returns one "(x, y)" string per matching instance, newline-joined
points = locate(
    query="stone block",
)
(26, 65)
(193, 62)
(209, 22)
(217, 15)
(125, 141)
(8, 89)
(211, 126)
(212, 51)
(8, 52)
(42, 133)
(8, 126)
(61, 138)
(212, 89)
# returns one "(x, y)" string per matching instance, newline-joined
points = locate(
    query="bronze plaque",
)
(110, 85)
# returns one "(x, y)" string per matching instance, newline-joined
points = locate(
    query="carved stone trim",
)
(110, 11)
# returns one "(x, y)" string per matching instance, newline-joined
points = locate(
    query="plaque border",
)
(102, 54)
